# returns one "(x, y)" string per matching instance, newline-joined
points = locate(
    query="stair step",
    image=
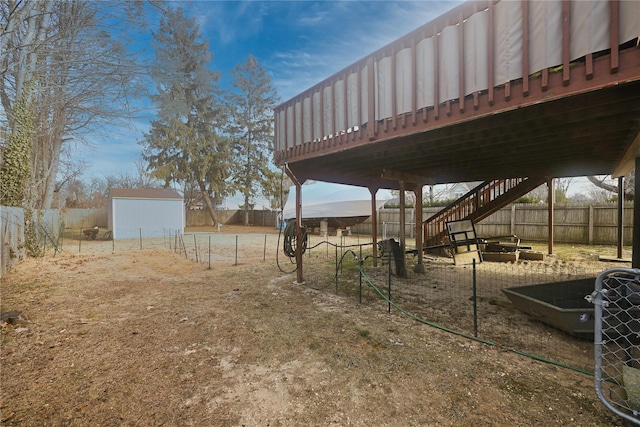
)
(477, 204)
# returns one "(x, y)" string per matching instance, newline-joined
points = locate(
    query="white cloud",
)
(354, 30)
(229, 22)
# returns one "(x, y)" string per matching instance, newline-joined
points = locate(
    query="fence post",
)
(389, 279)
(184, 246)
(195, 245)
(620, 239)
(336, 261)
(513, 219)
(591, 224)
(360, 268)
(475, 301)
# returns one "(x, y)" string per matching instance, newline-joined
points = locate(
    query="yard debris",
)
(10, 317)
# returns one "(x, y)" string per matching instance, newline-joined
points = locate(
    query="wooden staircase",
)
(477, 204)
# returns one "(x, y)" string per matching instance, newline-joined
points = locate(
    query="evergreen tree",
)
(184, 143)
(251, 130)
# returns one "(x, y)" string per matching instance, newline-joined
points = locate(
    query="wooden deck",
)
(491, 89)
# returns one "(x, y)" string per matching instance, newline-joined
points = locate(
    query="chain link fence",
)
(617, 338)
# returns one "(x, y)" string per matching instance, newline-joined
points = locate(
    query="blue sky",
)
(299, 43)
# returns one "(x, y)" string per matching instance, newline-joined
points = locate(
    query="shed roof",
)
(144, 193)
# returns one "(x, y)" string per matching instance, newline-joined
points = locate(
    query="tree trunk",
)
(207, 201)
(246, 209)
(50, 174)
(50, 178)
(26, 55)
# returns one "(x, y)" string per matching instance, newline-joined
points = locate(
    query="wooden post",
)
(620, 215)
(403, 218)
(513, 219)
(551, 199)
(635, 254)
(403, 223)
(299, 237)
(590, 226)
(374, 226)
(419, 268)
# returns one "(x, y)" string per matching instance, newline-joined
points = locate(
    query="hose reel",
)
(291, 240)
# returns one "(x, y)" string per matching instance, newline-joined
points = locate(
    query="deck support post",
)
(403, 223)
(620, 215)
(635, 257)
(551, 198)
(374, 225)
(299, 235)
(419, 268)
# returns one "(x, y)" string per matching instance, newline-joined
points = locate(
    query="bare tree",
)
(93, 192)
(70, 170)
(608, 184)
(563, 184)
(24, 33)
(435, 193)
(78, 73)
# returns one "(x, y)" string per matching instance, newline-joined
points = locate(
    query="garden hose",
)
(291, 240)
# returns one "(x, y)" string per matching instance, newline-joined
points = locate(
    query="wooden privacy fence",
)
(573, 224)
(592, 224)
(84, 218)
(201, 217)
(88, 218)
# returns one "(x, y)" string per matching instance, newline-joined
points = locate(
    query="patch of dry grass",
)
(148, 337)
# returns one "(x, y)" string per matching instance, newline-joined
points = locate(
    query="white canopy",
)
(328, 200)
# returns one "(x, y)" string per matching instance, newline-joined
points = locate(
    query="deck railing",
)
(477, 204)
(435, 226)
(480, 55)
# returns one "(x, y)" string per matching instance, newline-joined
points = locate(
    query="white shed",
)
(132, 213)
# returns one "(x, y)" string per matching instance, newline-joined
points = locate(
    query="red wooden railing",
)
(356, 105)
(477, 204)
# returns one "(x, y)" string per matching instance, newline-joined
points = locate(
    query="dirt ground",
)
(147, 337)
